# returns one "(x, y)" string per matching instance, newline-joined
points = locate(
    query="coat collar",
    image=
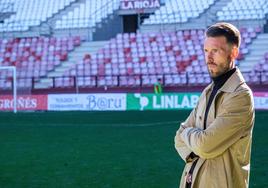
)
(231, 84)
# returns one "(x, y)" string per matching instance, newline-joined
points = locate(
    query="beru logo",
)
(104, 102)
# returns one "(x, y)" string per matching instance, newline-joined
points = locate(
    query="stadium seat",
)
(154, 53)
(243, 10)
(35, 57)
(31, 13)
(178, 11)
(129, 59)
(88, 14)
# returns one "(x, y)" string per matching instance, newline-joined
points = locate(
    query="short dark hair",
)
(229, 31)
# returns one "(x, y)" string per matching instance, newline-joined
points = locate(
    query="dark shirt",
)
(218, 83)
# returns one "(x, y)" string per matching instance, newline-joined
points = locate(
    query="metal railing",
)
(119, 81)
(140, 79)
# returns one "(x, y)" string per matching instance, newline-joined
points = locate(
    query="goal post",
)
(4, 78)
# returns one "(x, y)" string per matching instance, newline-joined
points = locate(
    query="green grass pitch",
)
(103, 149)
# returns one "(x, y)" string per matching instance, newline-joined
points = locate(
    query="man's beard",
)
(223, 69)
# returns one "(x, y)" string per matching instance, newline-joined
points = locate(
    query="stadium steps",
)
(265, 26)
(256, 52)
(5, 15)
(73, 58)
(108, 28)
(6, 10)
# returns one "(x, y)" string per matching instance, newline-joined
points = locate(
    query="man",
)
(158, 86)
(215, 140)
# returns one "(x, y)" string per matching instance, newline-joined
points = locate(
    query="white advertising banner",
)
(261, 100)
(87, 102)
(124, 101)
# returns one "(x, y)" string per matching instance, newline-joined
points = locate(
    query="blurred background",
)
(100, 87)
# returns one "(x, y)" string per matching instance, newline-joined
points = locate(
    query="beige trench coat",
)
(224, 147)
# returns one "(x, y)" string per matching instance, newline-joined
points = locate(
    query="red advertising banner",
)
(139, 4)
(24, 102)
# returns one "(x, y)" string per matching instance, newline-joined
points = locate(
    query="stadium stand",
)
(31, 13)
(6, 8)
(33, 57)
(148, 55)
(87, 14)
(134, 59)
(128, 60)
(244, 10)
(178, 11)
(259, 73)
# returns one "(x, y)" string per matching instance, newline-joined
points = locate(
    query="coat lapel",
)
(233, 82)
(230, 85)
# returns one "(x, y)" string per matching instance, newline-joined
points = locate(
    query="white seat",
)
(178, 11)
(89, 13)
(243, 10)
(31, 13)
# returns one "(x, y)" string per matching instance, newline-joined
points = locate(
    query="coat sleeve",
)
(183, 150)
(235, 117)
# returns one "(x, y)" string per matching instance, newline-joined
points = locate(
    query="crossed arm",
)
(183, 150)
(229, 126)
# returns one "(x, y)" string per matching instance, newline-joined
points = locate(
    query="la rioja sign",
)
(139, 4)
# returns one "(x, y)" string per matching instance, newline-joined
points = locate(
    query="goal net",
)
(8, 88)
